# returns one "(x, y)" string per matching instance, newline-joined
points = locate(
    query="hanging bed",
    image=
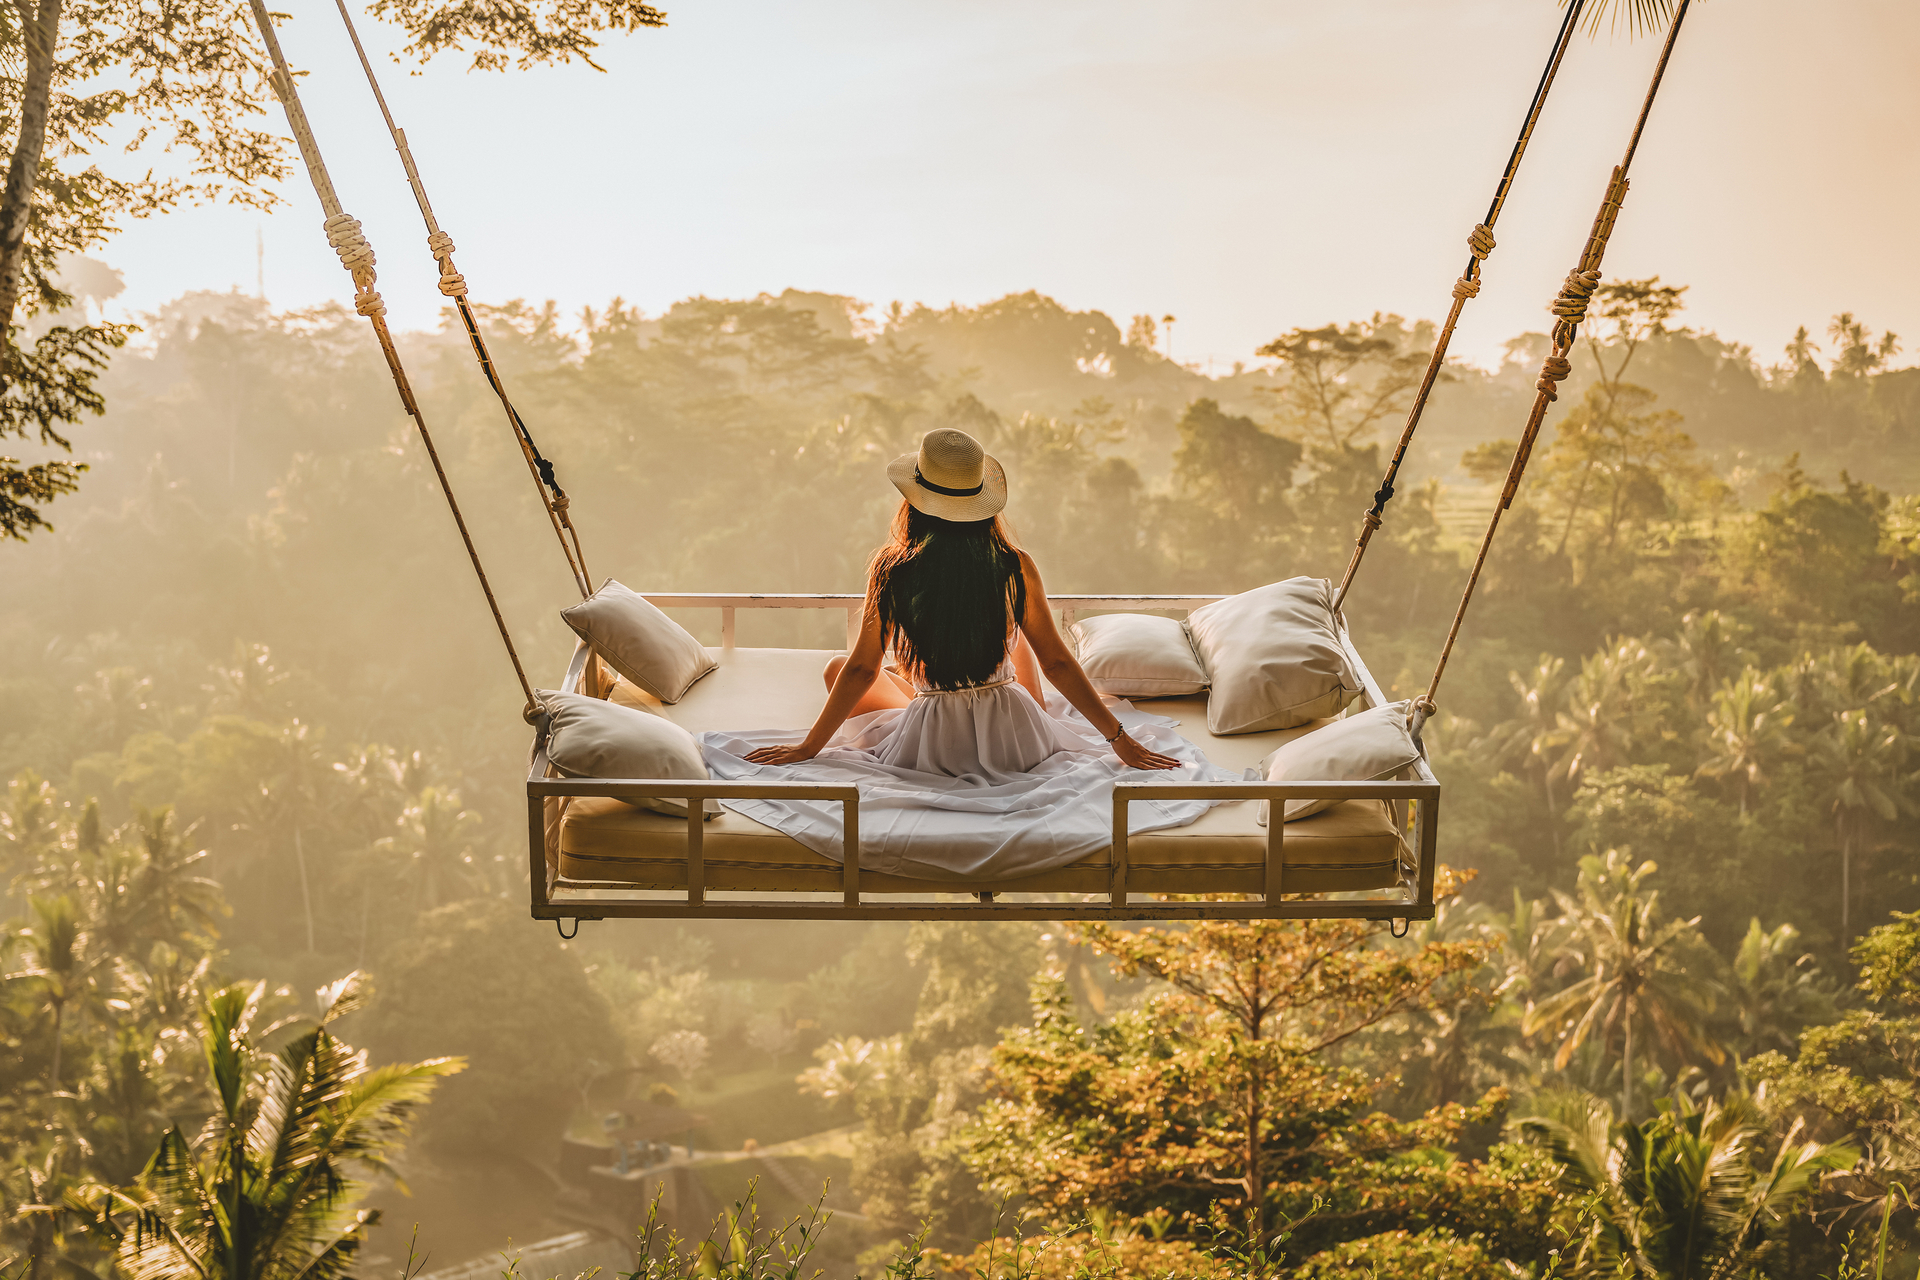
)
(592, 855)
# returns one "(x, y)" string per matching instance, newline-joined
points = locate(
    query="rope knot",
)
(1481, 242)
(343, 233)
(1466, 287)
(1571, 305)
(440, 245)
(368, 303)
(452, 283)
(1553, 372)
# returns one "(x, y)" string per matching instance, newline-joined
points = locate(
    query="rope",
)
(1569, 308)
(1479, 244)
(553, 498)
(356, 255)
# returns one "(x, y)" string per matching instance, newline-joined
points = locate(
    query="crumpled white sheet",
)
(974, 785)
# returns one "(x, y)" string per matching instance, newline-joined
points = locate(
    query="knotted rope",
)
(1569, 308)
(553, 498)
(452, 283)
(1479, 245)
(356, 255)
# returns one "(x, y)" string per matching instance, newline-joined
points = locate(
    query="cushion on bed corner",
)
(640, 642)
(1138, 655)
(588, 738)
(1273, 656)
(1367, 746)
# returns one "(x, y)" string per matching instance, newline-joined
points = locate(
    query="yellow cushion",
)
(1352, 846)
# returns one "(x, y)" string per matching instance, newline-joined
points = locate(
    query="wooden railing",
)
(1412, 897)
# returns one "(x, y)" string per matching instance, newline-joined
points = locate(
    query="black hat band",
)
(941, 489)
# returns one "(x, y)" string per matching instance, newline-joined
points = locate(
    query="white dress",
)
(981, 783)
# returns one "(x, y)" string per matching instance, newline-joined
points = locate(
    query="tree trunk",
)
(306, 899)
(59, 1018)
(40, 33)
(1626, 1069)
(1255, 1175)
(1553, 813)
(1846, 882)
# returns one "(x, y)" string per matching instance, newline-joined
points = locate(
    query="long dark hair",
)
(949, 593)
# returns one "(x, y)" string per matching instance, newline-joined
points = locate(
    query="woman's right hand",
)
(793, 753)
(1135, 756)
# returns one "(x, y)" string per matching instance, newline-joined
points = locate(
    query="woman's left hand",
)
(792, 753)
(1135, 756)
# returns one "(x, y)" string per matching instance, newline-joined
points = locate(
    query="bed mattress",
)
(1354, 845)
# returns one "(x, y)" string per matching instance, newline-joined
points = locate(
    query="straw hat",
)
(951, 477)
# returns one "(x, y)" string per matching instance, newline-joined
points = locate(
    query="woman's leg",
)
(1026, 669)
(887, 691)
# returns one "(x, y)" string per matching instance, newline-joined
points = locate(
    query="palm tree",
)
(434, 842)
(266, 1190)
(1856, 760)
(1596, 724)
(1776, 990)
(65, 967)
(1691, 1194)
(1634, 977)
(1746, 730)
(1705, 651)
(1533, 734)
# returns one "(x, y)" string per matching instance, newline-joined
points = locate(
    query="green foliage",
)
(267, 1188)
(1219, 1094)
(1855, 1079)
(453, 988)
(1691, 1193)
(256, 618)
(917, 1100)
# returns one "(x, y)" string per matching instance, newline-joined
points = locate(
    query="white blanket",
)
(979, 784)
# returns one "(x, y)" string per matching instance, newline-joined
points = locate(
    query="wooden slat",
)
(843, 600)
(999, 909)
(850, 852)
(1276, 840)
(537, 848)
(726, 626)
(696, 853)
(1117, 855)
(683, 788)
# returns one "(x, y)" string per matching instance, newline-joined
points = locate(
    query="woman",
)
(963, 766)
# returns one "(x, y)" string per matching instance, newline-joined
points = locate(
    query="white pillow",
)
(588, 738)
(1136, 655)
(640, 642)
(1273, 657)
(1367, 746)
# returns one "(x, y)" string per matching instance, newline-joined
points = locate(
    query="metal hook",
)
(561, 929)
(1401, 932)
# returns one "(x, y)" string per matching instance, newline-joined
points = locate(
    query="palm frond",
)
(227, 1022)
(338, 999)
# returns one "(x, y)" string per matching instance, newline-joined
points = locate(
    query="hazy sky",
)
(1244, 166)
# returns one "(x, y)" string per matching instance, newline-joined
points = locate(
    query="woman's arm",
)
(863, 667)
(1064, 670)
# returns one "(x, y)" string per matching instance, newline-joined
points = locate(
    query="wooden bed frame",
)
(559, 900)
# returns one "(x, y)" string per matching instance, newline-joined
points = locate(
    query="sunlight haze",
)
(1244, 167)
